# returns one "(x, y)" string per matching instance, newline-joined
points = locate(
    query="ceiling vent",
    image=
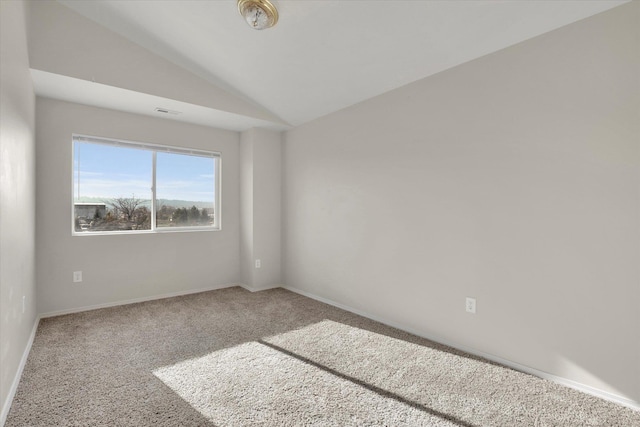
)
(167, 111)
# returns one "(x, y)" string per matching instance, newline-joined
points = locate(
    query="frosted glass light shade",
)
(259, 14)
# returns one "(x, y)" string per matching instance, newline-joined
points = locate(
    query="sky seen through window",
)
(104, 171)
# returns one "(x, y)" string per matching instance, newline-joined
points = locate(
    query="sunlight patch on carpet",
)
(436, 379)
(253, 384)
(332, 373)
(456, 385)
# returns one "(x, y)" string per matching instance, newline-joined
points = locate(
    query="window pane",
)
(185, 190)
(112, 188)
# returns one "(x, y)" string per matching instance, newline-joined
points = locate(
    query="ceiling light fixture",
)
(259, 14)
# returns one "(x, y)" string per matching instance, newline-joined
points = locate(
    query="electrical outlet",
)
(470, 305)
(258, 263)
(77, 276)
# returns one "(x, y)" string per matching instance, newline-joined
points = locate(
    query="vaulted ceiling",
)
(321, 57)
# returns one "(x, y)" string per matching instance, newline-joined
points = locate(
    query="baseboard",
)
(6, 405)
(136, 300)
(262, 288)
(513, 365)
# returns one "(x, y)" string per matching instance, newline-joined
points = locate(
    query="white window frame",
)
(154, 148)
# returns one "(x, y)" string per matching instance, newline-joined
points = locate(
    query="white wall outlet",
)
(77, 276)
(24, 303)
(470, 305)
(258, 263)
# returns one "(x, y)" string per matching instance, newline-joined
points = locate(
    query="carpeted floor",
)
(273, 358)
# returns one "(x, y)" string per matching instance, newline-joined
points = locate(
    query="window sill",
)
(137, 232)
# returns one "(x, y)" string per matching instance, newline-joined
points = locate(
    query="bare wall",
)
(267, 195)
(17, 199)
(261, 181)
(246, 207)
(513, 179)
(124, 267)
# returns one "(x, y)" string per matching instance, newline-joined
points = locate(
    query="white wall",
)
(246, 208)
(124, 267)
(261, 183)
(267, 189)
(17, 199)
(513, 178)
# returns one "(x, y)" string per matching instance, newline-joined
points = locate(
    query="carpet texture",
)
(273, 358)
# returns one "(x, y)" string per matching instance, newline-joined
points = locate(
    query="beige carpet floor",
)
(273, 358)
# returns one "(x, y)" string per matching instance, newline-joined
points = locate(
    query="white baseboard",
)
(262, 288)
(517, 366)
(6, 405)
(136, 300)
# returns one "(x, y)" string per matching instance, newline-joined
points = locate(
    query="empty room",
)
(320, 213)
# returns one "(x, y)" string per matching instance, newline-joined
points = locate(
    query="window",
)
(129, 187)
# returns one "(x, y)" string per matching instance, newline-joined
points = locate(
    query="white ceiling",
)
(51, 85)
(325, 55)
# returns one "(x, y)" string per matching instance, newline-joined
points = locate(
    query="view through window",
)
(121, 186)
